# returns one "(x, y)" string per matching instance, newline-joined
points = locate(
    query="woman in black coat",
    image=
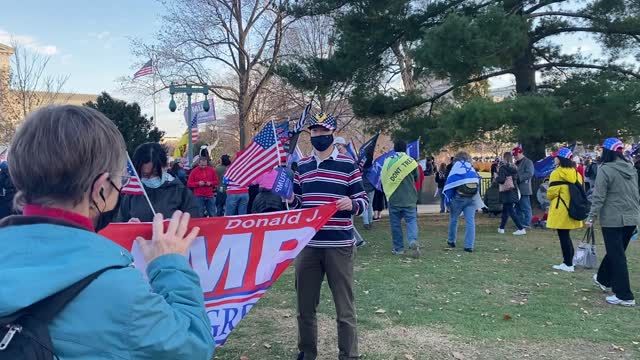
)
(509, 194)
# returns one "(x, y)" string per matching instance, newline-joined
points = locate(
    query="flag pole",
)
(153, 69)
(141, 185)
(273, 127)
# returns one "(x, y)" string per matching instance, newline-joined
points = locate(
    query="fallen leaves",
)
(617, 348)
(506, 317)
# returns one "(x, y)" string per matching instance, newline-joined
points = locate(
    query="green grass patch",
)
(503, 296)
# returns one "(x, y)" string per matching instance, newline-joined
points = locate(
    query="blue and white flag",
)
(374, 174)
(413, 150)
(462, 173)
(543, 168)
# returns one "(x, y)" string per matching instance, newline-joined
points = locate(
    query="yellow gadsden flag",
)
(394, 170)
(181, 148)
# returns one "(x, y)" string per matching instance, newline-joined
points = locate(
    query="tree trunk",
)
(525, 75)
(405, 62)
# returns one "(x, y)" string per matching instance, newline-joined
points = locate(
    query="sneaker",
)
(500, 231)
(361, 243)
(564, 267)
(613, 300)
(451, 245)
(602, 287)
(415, 250)
(520, 232)
(367, 226)
(401, 252)
(468, 250)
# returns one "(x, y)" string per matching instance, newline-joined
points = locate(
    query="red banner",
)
(237, 258)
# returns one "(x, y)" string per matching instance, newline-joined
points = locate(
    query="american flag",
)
(260, 156)
(194, 129)
(134, 187)
(282, 131)
(146, 69)
(303, 118)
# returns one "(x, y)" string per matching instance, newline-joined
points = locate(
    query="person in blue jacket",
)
(68, 166)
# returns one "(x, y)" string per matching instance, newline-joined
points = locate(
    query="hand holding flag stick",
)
(173, 241)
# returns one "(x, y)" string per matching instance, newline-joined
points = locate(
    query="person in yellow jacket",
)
(560, 198)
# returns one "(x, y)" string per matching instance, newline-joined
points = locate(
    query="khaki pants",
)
(311, 266)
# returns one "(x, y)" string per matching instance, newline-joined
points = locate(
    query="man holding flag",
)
(328, 177)
(399, 175)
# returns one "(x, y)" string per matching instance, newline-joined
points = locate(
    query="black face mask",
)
(106, 217)
(322, 142)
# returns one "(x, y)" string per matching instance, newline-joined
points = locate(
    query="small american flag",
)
(194, 129)
(146, 69)
(303, 118)
(260, 156)
(134, 187)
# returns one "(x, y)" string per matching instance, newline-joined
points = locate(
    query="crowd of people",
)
(65, 197)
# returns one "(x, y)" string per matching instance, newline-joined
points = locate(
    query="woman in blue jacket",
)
(68, 166)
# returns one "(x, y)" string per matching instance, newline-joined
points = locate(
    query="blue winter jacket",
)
(119, 315)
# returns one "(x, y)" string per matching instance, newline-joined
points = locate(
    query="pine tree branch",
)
(587, 66)
(542, 4)
(544, 34)
(560, 13)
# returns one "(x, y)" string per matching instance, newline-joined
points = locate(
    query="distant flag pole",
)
(136, 190)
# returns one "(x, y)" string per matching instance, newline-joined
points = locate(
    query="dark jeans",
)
(613, 271)
(567, 246)
(510, 210)
(311, 266)
(207, 205)
(221, 199)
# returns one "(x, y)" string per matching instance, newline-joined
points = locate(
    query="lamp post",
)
(189, 90)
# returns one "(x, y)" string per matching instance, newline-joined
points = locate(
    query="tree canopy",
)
(560, 95)
(135, 127)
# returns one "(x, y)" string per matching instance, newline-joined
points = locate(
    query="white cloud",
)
(28, 42)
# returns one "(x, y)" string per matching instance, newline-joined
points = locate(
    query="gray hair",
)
(464, 156)
(59, 152)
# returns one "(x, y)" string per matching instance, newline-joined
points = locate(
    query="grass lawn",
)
(504, 301)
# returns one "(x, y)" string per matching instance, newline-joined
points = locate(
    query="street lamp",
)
(189, 90)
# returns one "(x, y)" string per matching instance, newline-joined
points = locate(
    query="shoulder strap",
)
(47, 308)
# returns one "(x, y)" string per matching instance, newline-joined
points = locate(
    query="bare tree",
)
(29, 86)
(202, 41)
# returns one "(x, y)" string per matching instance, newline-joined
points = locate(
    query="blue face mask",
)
(152, 183)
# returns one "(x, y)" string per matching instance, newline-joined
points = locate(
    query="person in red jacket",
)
(203, 181)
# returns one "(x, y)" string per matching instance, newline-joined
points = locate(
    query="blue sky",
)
(88, 40)
(91, 42)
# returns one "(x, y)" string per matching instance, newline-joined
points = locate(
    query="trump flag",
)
(237, 258)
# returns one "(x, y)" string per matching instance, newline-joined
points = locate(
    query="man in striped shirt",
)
(328, 177)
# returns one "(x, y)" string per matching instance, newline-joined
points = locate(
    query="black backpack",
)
(579, 205)
(25, 334)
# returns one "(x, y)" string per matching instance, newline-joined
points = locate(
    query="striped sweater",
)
(318, 183)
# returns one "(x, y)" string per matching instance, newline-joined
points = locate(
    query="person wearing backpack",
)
(559, 193)
(68, 164)
(507, 180)
(616, 205)
(462, 193)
